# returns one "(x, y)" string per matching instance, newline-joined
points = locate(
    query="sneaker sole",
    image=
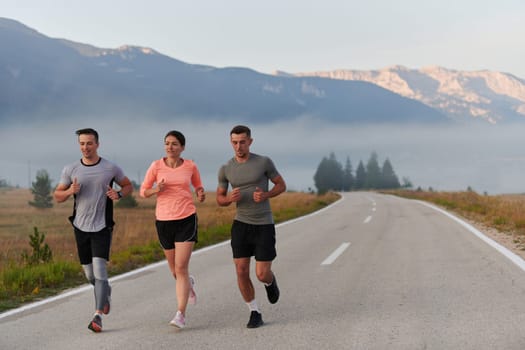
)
(95, 327)
(255, 326)
(177, 326)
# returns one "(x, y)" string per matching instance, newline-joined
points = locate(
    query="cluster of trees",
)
(332, 176)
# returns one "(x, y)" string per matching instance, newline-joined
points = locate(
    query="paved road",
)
(370, 272)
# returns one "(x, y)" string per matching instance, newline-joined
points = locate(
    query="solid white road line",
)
(506, 252)
(336, 253)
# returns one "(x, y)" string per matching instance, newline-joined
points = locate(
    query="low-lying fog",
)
(487, 158)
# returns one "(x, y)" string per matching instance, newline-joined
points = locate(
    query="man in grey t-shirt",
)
(253, 229)
(90, 181)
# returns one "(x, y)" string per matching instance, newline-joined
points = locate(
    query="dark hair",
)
(178, 135)
(88, 131)
(241, 129)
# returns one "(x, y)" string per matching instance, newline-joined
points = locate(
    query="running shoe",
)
(107, 306)
(272, 291)
(178, 321)
(255, 320)
(192, 299)
(96, 324)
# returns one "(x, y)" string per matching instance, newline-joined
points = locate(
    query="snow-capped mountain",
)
(491, 96)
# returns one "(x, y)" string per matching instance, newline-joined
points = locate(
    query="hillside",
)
(43, 78)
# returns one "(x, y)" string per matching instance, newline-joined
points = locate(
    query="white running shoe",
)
(192, 299)
(178, 321)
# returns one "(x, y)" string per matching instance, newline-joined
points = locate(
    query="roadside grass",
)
(20, 284)
(134, 244)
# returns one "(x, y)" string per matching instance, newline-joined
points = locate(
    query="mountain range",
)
(47, 79)
(491, 96)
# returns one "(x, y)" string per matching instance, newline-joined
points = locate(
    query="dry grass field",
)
(135, 242)
(501, 216)
(134, 226)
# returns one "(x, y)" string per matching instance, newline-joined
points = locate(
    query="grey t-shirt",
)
(255, 172)
(93, 210)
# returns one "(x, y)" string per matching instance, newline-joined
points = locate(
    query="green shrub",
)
(41, 253)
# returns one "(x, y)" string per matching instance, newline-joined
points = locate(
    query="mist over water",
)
(487, 158)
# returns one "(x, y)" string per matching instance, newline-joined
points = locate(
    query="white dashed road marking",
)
(336, 253)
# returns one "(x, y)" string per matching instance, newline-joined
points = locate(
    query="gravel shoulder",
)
(506, 239)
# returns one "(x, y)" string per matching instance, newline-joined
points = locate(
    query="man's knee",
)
(242, 268)
(264, 272)
(100, 269)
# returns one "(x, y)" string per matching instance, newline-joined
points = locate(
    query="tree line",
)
(331, 175)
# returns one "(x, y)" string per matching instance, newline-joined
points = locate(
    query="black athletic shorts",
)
(171, 231)
(253, 240)
(93, 244)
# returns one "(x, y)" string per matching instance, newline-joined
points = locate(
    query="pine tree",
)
(373, 173)
(41, 190)
(336, 173)
(360, 177)
(389, 177)
(320, 180)
(41, 253)
(329, 175)
(348, 177)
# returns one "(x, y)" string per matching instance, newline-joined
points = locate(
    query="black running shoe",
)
(272, 291)
(96, 324)
(255, 320)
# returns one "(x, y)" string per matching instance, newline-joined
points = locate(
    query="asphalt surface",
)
(369, 272)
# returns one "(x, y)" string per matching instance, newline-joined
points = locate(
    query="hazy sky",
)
(292, 36)
(295, 35)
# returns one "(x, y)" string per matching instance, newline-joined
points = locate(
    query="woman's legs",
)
(178, 262)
